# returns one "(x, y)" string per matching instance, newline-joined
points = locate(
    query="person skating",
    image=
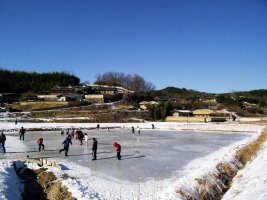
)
(85, 139)
(80, 136)
(138, 130)
(72, 133)
(22, 133)
(117, 147)
(66, 144)
(62, 133)
(40, 143)
(3, 140)
(76, 134)
(94, 149)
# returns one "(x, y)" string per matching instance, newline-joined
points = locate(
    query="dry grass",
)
(261, 122)
(184, 194)
(44, 178)
(216, 184)
(209, 188)
(227, 169)
(245, 154)
(52, 188)
(58, 192)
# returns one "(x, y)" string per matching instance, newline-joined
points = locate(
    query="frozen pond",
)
(154, 154)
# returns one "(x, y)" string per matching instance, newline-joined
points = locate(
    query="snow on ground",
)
(251, 182)
(7, 126)
(85, 186)
(10, 186)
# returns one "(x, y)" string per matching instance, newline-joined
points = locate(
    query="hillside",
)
(246, 103)
(86, 114)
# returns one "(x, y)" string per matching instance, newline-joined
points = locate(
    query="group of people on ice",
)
(66, 143)
(40, 140)
(83, 136)
(138, 130)
(79, 135)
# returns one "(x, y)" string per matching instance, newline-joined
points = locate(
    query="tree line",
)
(22, 82)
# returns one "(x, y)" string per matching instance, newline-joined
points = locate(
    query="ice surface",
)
(155, 154)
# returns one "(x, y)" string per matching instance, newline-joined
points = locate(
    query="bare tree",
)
(132, 82)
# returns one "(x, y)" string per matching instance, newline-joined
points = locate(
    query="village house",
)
(206, 113)
(208, 100)
(222, 113)
(145, 104)
(31, 98)
(181, 113)
(106, 94)
(57, 90)
(105, 90)
(220, 116)
(63, 97)
(109, 89)
(91, 93)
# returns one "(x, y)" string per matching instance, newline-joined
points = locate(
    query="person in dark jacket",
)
(3, 140)
(118, 150)
(94, 149)
(80, 136)
(40, 143)
(66, 144)
(21, 133)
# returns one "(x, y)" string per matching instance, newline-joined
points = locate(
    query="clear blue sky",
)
(208, 45)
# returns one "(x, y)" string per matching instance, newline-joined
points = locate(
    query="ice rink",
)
(153, 154)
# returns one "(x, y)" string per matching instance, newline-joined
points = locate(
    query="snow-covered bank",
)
(251, 182)
(209, 182)
(10, 185)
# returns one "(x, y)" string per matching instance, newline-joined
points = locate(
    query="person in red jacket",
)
(118, 150)
(40, 143)
(77, 134)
